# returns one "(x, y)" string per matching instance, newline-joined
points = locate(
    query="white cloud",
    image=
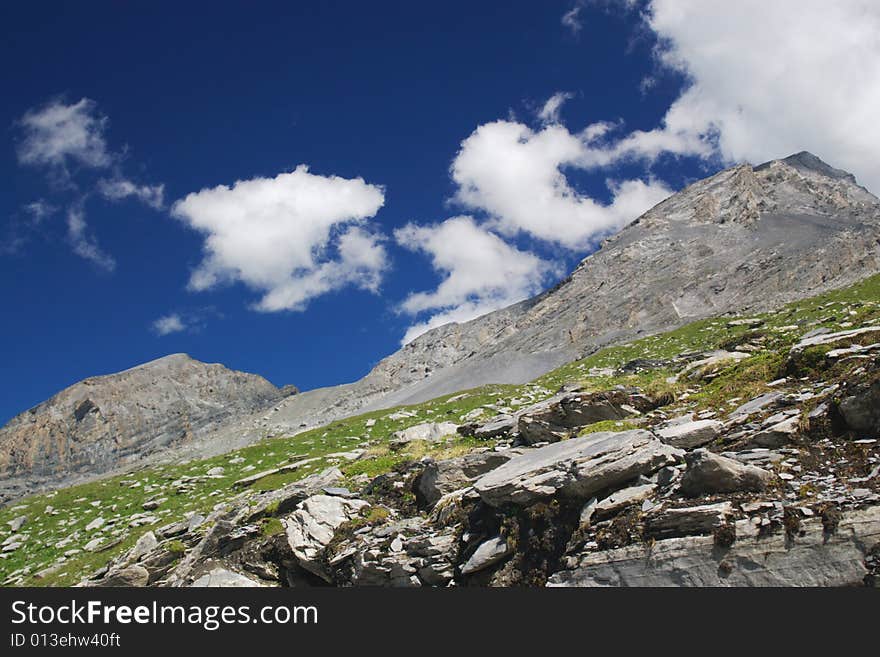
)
(120, 188)
(83, 243)
(549, 113)
(293, 237)
(572, 19)
(481, 272)
(57, 134)
(168, 324)
(67, 141)
(516, 176)
(39, 210)
(803, 77)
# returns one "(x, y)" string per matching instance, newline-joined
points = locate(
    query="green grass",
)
(608, 425)
(52, 533)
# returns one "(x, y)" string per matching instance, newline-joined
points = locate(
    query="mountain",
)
(707, 414)
(746, 239)
(107, 422)
(732, 451)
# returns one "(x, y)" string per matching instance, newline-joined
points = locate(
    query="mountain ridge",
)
(108, 421)
(822, 204)
(744, 239)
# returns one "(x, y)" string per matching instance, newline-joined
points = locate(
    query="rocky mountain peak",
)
(806, 161)
(109, 421)
(800, 184)
(744, 239)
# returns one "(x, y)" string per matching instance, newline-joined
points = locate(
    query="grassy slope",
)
(61, 530)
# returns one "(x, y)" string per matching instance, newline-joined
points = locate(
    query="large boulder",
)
(709, 473)
(312, 526)
(861, 410)
(777, 434)
(409, 552)
(442, 477)
(281, 501)
(487, 554)
(554, 419)
(688, 434)
(575, 468)
(427, 431)
(135, 575)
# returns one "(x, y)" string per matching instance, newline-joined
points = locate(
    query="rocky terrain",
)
(747, 239)
(744, 240)
(697, 404)
(110, 422)
(738, 450)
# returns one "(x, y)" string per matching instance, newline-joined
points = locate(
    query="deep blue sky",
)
(202, 94)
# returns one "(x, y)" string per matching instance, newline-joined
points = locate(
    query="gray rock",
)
(575, 468)
(93, 545)
(813, 558)
(709, 473)
(312, 526)
(427, 431)
(283, 500)
(135, 575)
(689, 434)
(194, 522)
(406, 553)
(502, 425)
(487, 554)
(244, 482)
(667, 476)
(757, 404)
(777, 435)
(687, 521)
(442, 477)
(17, 523)
(621, 499)
(337, 491)
(819, 412)
(223, 578)
(145, 544)
(588, 510)
(861, 411)
(704, 367)
(832, 338)
(554, 419)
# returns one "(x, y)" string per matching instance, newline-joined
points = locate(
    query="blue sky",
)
(458, 158)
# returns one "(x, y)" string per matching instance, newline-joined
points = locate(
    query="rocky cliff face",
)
(743, 240)
(107, 422)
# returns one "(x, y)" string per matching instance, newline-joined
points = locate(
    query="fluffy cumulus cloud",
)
(480, 272)
(515, 175)
(292, 237)
(767, 79)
